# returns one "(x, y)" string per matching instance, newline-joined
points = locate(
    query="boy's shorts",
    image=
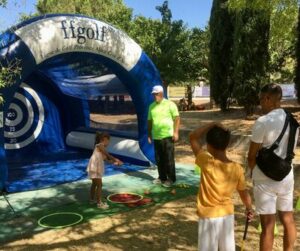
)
(216, 234)
(272, 197)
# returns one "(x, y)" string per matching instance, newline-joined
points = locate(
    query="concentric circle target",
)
(12, 118)
(24, 119)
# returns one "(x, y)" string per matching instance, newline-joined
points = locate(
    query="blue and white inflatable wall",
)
(46, 111)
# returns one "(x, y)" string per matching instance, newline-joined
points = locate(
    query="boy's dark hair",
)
(273, 90)
(100, 136)
(218, 138)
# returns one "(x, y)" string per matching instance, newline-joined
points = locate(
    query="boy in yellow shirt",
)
(220, 177)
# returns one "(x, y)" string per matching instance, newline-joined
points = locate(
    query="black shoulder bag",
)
(271, 164)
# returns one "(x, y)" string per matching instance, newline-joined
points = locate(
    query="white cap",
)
(157, 89)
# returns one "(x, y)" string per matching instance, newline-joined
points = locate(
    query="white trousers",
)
(216, 234)
(274, 196)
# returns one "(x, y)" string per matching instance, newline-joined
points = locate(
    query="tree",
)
(147, 33)
(165, 12)
(250, 56)
(264, 48)
(184, 52)
(196, 67)
(282, 42)
(9, 71)
(3, 3)
(114, 12)
(282, 34)
(199, 66)
(297, 68)
(221, 44)
(173, 43)
(180, 54)
(175, 47)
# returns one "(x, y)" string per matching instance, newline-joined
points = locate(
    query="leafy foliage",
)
(174, 45)
(114, 12)
(198, 67)
(9, 74)
(282, 42)
(251, 56)
(297, 68)
(165, 12)
(282, 34)
(179, 53)
(3, 3)
(221, 44)
(264, 46)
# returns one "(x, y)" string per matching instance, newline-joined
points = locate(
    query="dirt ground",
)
(172, 226)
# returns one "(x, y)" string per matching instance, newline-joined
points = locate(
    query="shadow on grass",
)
(140, 175)
(132, 232)
(134, 220)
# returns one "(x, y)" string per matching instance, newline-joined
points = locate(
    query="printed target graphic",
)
(24, 119)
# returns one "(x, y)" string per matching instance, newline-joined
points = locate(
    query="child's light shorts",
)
(216, 234)
(272, 197)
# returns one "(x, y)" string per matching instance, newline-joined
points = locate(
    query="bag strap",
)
(277, 141)
(291, 143)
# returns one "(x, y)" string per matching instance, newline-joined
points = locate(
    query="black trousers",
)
(164, 156)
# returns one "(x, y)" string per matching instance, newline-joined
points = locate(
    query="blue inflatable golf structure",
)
(75, 72)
